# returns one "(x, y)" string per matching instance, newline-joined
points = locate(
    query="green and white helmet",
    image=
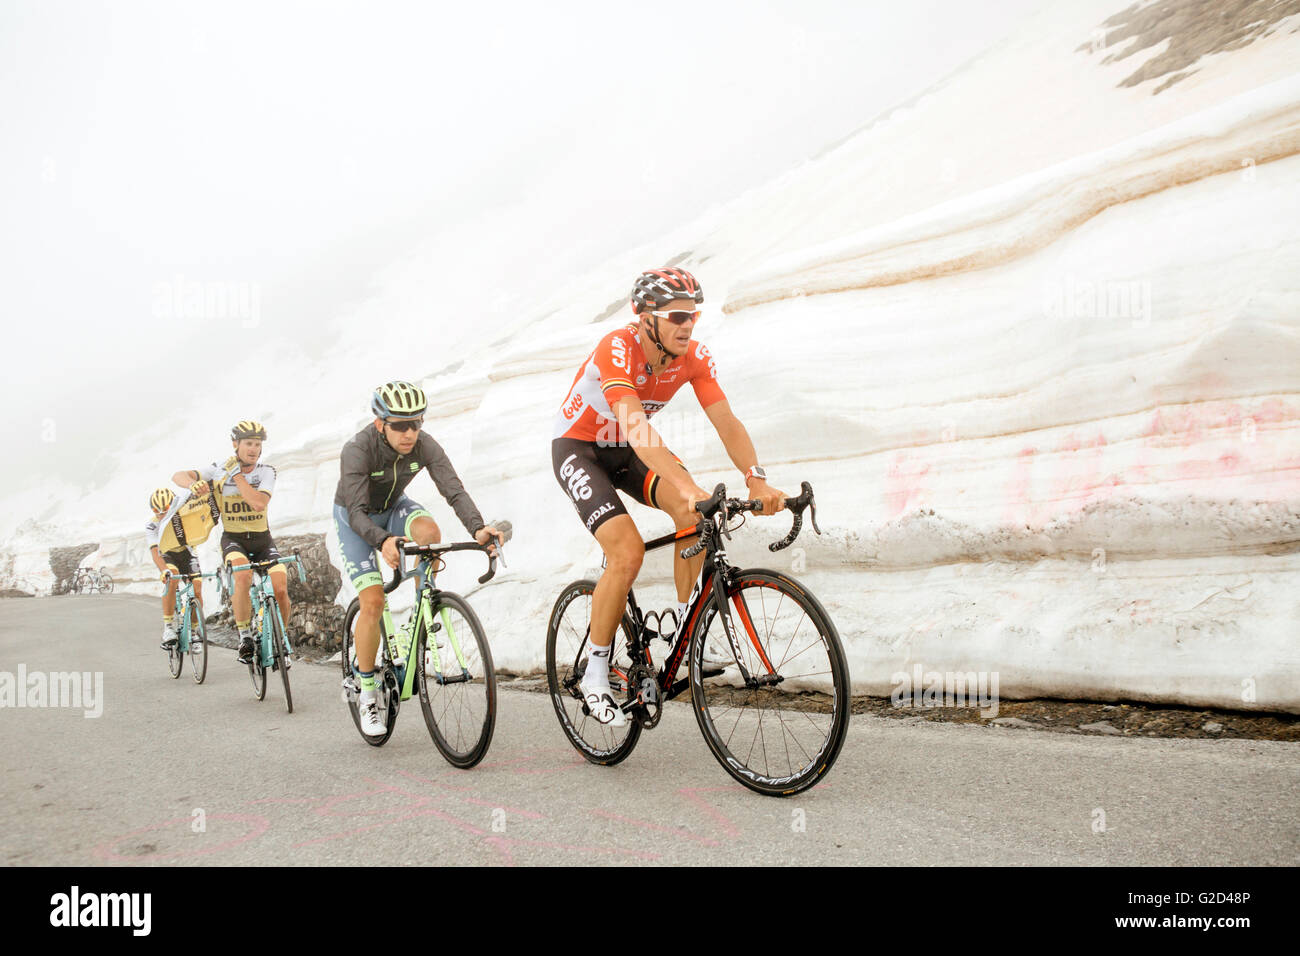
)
(398, 400)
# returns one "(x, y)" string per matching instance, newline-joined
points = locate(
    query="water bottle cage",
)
(654, 624)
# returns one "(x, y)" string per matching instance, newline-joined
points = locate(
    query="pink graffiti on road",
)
(382, 804)
(107, 851)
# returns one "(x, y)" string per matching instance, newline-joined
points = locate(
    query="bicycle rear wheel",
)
(198, 643)
(279, 653)
(458, 687)
(567, 637)
(779, 734)
(348, 656)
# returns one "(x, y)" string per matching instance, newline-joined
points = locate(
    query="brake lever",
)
(812, 506)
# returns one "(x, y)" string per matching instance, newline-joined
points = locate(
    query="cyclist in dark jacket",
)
(371, 512)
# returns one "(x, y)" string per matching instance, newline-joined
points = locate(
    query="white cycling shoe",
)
(600, 702)
(372, 724)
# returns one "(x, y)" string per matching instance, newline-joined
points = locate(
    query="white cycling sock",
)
(597, 674)
(681, 614)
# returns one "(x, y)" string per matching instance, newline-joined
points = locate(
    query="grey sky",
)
(303, 146)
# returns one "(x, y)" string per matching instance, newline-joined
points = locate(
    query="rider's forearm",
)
(740, 447)
(360, 522)
(257, 500)
(450, 487)
(184, 479)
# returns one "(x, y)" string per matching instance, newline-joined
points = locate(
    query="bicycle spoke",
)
(774, 737)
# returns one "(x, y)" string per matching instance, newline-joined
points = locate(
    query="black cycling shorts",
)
(185, 561)
(253, 545)
(590, 472)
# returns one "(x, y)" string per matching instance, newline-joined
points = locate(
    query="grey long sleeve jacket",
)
(372, 475)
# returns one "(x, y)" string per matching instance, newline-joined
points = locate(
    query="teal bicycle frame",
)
(186, 602)
(262, 594)
(185, 596)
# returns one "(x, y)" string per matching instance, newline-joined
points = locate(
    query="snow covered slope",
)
(1034, 338)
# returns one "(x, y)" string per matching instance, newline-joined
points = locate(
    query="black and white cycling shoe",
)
(602, 706)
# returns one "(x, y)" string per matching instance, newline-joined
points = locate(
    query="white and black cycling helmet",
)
(398, 400)
(654, 287)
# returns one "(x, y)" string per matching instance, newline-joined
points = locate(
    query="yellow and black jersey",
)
(237, 515)
(187, 523)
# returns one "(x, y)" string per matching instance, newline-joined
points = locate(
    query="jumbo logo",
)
(574, 406)
(576, 479)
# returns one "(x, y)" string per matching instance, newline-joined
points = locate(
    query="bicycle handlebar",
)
(719, 501)
(436, 550)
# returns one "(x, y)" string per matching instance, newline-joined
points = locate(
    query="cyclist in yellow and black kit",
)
(243, 484)
(179, 523)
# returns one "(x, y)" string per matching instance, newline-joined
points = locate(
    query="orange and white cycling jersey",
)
(617, 367)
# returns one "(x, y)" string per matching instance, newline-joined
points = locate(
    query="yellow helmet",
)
(161, 500)
(398, 400)
(248, 429)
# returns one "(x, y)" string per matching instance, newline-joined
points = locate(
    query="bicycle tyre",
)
(460, 716)
(279, 649)
(81, 584)
(808, 717)
(345, 655)
(199, 650)
(256, 669)
(566, 639)
(106, 583)
(175, 659)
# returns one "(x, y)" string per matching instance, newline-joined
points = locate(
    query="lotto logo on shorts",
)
(576, 479)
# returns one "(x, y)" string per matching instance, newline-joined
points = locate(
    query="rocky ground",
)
(1068, 716)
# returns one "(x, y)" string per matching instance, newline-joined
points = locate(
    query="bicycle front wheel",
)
(198, 644)
(781, 731)
(106, 583)
(175, 659)
(256, 670)
(279, 653)
(567, 639)
(458, 687)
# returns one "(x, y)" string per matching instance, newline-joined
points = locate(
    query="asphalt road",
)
(171, 772)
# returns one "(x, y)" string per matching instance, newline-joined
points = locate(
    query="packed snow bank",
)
(1047, 394)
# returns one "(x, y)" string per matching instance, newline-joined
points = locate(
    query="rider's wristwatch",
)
(755, 472)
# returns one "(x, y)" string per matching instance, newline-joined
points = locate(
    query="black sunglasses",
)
(413, 425)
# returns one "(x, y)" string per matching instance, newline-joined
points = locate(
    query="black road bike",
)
(768, 679)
